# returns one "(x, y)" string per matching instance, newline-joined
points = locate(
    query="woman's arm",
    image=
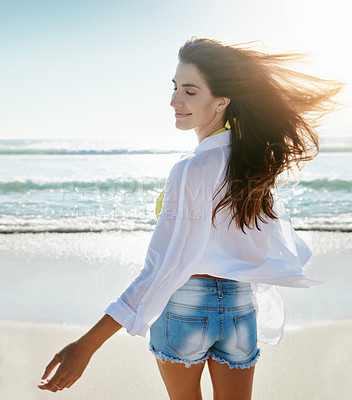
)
(177, 244)
(74, 358)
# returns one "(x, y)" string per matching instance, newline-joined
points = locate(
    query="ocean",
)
(76, 218)
(82, 186)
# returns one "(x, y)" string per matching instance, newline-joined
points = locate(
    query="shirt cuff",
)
(129, 319)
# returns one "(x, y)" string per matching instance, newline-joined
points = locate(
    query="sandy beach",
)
(54, 287)
(309, 363)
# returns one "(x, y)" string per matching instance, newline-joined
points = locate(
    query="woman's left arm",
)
(74, 358)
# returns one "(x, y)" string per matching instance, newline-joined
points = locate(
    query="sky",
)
(102, 69)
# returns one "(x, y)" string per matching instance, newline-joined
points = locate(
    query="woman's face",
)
(195, 107)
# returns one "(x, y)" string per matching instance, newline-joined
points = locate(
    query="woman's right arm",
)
(74, 358)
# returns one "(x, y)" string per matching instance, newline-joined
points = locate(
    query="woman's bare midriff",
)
(207, 276)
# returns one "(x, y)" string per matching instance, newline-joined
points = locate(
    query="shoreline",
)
(71, 278)
(289, 326)
(309, 363)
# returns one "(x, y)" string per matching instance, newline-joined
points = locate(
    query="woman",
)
(223, 245)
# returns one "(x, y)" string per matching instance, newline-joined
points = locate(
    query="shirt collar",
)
(214, 141)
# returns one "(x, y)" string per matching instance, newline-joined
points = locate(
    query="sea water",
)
(76, 218)
(73, 186)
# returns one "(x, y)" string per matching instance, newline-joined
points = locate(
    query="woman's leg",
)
(181, 383)
(230, 384)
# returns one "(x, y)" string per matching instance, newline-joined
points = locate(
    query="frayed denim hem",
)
(234, 364)
(162, 357)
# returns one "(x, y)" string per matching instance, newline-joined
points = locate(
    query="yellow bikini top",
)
(160, 198)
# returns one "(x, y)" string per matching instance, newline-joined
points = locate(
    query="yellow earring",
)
(228, 126)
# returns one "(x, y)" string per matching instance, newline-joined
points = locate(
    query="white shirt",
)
(185, 243)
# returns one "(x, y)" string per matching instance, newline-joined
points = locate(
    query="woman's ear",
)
(223, 103)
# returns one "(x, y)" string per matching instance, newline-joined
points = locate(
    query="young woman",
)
(223, 244)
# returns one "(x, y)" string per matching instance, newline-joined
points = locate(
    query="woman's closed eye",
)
(187, 92)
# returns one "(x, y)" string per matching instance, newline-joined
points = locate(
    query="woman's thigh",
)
(230, 383)
(181, 383)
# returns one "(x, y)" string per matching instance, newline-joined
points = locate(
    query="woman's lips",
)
(182, 115)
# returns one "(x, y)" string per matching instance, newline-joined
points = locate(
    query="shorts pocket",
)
(246, 331)
(185, 335)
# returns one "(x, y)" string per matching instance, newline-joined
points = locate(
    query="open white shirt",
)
(185, 243)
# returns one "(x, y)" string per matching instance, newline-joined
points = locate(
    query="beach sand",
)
(51, 278)
(309, 363)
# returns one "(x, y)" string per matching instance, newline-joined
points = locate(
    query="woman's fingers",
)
(53, 363)
(55, 383)
(66, 381)
(73, 360)
(71, 383)
(51, 386)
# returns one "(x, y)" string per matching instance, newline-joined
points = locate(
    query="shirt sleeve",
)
(177, 245)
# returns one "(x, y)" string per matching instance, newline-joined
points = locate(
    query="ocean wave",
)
(146, 228)
(41, 229)
(59, 147)
(154, 184)
(325, 184)
(54, 151)
(336, 149)
(132, 185)
(324, 228)
(122, 151)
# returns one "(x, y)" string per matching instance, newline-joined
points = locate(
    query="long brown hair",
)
(273, 114)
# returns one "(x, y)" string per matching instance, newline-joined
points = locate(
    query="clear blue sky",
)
(102, 69)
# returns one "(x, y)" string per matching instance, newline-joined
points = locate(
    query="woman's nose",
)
(175, 100)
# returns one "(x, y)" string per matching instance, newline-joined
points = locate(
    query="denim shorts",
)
(208, 317)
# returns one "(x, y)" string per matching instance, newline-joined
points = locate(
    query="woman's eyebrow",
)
(187, 84)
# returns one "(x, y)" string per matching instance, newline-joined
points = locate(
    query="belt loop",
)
(219, 287)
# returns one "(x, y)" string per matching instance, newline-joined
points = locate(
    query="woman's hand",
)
(73, 360)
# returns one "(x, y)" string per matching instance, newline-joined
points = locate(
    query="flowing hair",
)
(273, 114)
